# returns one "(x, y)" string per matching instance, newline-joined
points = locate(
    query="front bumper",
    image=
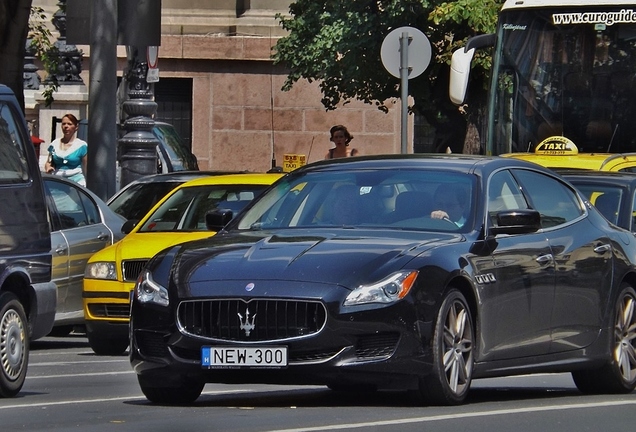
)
(43, 314)
(107, 301)
(386, 347)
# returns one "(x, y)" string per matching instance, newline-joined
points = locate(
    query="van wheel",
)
(14, 345)
(107, 346)
(619, 373)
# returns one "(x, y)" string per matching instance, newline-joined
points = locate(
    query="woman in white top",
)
(68, 155)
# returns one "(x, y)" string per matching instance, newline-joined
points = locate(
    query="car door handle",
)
(601, 249)
(61, 250)
(103, 237)
(544, 259)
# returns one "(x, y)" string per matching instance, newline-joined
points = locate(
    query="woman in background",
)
(341, 137)
(68, 155)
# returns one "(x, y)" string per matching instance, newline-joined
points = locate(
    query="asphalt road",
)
(69, 388)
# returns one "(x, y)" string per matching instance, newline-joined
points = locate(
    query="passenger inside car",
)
(450, 202)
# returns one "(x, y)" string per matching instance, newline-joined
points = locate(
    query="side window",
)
(68, 203)
(13, 162)
(90, 208)
(504, 193)
(556, 202)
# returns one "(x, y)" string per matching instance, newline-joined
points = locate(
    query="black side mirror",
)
(216, 219)
(128, 226)
(517, 222)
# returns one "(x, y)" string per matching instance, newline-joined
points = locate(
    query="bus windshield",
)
(564, 73)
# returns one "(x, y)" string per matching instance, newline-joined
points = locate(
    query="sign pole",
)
(404, 87)
(398, 43)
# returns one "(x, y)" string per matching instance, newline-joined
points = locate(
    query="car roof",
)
(607, 177)
(179, 176)
(430, 161)
(591, 161)
(251, 178)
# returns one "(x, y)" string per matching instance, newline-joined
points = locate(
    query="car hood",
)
(342, 257)
(140, 246)
(145, 245)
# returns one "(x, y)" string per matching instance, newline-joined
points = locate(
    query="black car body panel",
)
(541, 300)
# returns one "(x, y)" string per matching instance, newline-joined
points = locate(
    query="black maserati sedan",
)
(402, 272)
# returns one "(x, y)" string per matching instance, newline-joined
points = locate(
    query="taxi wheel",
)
(185, 393)
(453, 342)
(619, 374)
(107, 346)
(14, 345)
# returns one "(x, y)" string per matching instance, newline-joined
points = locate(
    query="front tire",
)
(453, 361)
(183, 394)
(14, 345)
(619, 374)
(110, 346)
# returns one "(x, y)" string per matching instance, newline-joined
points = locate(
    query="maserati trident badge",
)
(246, 324)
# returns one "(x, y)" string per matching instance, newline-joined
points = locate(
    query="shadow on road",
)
(73, 340)
(324, 397)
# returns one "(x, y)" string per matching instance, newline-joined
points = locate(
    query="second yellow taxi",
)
(560, 152)
(180, 216)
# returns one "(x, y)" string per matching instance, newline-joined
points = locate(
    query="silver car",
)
(81, 224)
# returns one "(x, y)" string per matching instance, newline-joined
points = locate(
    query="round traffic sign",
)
(419, 51)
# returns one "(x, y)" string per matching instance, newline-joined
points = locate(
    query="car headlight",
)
(388, 290)
(101, 270)
(149, 291)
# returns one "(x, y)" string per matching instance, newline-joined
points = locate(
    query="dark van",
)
(27, 295)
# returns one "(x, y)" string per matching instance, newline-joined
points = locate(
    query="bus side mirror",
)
(459, 74)
(460, 66)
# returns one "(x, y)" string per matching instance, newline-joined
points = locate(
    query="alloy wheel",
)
(625, 337)
(458, 347)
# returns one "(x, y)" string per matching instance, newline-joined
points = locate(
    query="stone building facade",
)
(240, 117)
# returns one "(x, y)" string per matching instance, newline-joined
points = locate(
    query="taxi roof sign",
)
(557, 145)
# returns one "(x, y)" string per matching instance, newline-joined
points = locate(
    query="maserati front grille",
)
(258, 320)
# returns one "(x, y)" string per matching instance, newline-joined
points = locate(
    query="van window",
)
(13, 162)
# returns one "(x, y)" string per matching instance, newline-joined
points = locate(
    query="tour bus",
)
(563, 72)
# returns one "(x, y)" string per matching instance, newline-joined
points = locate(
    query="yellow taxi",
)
(110, 274)
(560, 152)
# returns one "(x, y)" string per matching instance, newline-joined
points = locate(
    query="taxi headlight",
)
(101, 270)
(149, 291)
(388, 290)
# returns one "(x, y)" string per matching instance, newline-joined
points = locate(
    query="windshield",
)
(564, 74)
(185, 209)
(135, 201)
(404, 199)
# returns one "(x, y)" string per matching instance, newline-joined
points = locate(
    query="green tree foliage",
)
(40, 38)
(337, 44)
(14, 18)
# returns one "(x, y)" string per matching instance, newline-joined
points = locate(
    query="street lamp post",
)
(138, 147)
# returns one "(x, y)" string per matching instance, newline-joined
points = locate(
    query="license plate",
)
(251, 357)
